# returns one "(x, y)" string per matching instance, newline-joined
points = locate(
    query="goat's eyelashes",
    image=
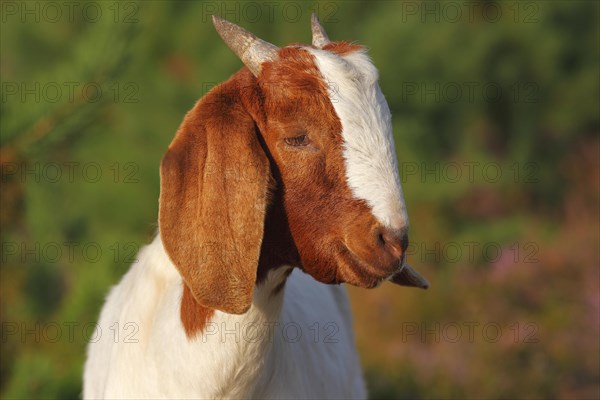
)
(297, 141)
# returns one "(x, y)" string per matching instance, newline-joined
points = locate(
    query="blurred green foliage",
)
(508, 86)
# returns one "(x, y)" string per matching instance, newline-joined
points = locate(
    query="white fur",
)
(369, 151)
(233, 358)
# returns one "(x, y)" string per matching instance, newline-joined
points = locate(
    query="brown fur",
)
(229, 179)
(194, 316)
(343, 47)
(214, 180)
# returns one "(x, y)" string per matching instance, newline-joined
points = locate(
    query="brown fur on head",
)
(256, 178)
(323, 216)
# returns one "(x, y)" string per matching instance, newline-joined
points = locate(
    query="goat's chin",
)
(353, 270)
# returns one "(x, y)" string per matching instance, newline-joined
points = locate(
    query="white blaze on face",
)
(369, 151)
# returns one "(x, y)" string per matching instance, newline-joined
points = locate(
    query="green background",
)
(495, 113)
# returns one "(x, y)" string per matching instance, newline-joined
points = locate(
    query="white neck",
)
(245, 341)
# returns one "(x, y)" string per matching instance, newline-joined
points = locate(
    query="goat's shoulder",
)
(127, 322)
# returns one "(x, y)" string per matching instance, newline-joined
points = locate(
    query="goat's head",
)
(302, 136)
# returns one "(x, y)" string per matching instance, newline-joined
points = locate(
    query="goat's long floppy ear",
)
(213, 193)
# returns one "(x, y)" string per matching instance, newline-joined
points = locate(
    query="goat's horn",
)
(250, 49)
(319, 36)
(409, 277)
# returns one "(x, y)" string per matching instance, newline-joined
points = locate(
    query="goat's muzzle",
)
(395, 243)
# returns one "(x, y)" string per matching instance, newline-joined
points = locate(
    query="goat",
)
(279, 183)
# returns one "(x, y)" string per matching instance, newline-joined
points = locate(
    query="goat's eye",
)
(297, 141)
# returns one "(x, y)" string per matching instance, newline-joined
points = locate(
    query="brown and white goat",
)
(279, 182)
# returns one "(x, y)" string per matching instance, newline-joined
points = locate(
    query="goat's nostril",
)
(381, 239)
(395, 241)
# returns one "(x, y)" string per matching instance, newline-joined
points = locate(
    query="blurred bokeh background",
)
(496, 117)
